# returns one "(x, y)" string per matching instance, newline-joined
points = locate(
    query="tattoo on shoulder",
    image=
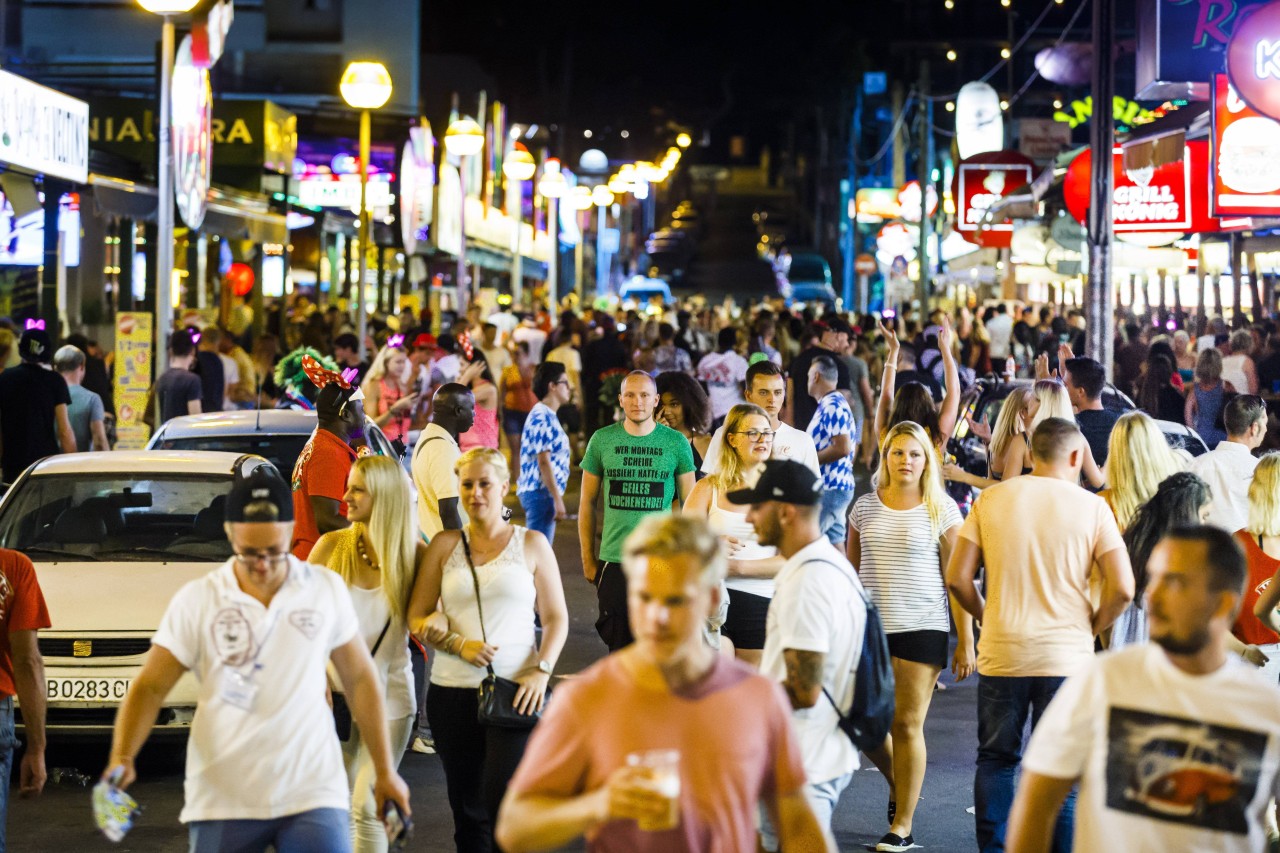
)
(804, 669)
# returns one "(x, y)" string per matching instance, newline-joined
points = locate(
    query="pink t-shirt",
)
(733, 731)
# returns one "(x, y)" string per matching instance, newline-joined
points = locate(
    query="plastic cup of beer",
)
(662, 776)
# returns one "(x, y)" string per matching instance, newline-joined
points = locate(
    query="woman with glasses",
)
(377, 556)
(900, 538)
(748, 438)
(514, 573)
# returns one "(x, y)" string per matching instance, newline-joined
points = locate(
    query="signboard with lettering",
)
(415, 191)
(1172, 197)
(43, 131)
(190, 125)
(980, 182)
(1253, 59)
(133, 378)
(1042, 139)
(1183, 43)
(1246, 156)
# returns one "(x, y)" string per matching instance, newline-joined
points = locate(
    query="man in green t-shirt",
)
(639, 465)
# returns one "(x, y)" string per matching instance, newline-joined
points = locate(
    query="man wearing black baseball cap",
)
(33, 407)
(264, 767)
(813, 634)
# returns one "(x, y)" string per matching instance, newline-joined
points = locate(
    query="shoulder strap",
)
(422, 442)
(377, 645)
(475, 579)
(865, 600)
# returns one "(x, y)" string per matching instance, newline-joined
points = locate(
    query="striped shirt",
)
(900, 566)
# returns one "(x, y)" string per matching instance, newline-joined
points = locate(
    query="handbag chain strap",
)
(475, 579)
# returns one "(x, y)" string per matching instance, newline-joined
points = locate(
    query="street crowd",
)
(767, 509)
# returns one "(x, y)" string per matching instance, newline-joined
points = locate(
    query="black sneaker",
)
(891, 843)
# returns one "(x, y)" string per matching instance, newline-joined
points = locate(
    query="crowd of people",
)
(754, 485)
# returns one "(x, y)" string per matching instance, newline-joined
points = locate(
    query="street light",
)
(519, 166)
(463, 139)
(601, 197)
(166, 9)
(553, 187)
(684, 140)
(579, 199)
(365, 86)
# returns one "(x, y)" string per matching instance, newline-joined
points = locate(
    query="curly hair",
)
(694, 400)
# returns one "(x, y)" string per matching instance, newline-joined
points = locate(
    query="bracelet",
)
(460, 641)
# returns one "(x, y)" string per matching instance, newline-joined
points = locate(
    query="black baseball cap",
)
(35, 345)
(260, 496)
(785, 481)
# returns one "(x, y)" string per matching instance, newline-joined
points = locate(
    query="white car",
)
(113, 536)
(275, 434)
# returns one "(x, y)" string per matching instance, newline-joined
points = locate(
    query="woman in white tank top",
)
(516, 572)
(748, 436)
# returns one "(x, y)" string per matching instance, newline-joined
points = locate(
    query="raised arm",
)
(885, 404)
(951, 376)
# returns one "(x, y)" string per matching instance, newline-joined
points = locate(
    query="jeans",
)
(822, 798)
(305, 832)
(1003, 706)
(7, 743)
(539, 512)
(368, 835)
(478, 761)
(832, 521)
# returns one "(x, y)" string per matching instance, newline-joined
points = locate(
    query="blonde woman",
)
(1138, 461)
(389, 395)
(748, 436)
(1203, 411)
(515, 573)
(377, 556)
(1238, 368)
(900, 539)
(1049, 399)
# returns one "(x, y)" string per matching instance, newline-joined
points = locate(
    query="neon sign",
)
(1123, 111)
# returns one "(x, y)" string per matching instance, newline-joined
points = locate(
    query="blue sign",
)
(875, 82)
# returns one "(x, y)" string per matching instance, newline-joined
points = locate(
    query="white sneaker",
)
(426, 746)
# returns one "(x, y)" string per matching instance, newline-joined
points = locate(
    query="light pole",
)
(580, 199)
(463, 139)
(166, 9)
(365, 86)
(601, 197)
(519, 166)
(553, 187)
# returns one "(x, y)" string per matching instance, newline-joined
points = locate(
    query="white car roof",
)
(140, 462)
(266, 421)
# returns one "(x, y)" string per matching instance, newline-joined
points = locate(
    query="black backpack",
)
(870, 715)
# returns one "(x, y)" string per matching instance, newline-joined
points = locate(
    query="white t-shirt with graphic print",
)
(282, 756)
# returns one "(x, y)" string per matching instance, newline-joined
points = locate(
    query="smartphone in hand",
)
(399, 827)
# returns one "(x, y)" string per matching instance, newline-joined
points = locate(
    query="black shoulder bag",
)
(497, 695)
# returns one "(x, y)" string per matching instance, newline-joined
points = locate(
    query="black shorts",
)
(747, 616)
(570, 418)
(926, 647)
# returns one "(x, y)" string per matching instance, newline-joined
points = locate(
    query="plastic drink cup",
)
(661, 776)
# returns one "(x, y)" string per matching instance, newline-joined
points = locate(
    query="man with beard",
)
(1174, 743)
(640, 466)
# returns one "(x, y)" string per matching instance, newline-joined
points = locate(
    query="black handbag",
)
(496, 695)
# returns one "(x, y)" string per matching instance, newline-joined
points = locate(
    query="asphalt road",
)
(62, 820)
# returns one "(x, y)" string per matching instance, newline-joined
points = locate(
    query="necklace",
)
(364, 552)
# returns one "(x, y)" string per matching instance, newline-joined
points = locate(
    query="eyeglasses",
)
(274, 559)
(565, 382)
(757, 434)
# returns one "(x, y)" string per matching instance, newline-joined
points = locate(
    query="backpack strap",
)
(423, 442)
(866, 602)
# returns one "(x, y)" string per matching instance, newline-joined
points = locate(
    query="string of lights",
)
(1022, 90)
(888, 143)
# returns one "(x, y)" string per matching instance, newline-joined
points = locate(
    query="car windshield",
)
(281, 450)
(131, 517)
(807, 269)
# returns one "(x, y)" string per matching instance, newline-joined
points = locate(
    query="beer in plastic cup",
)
(662, 776)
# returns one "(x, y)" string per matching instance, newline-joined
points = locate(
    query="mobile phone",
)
(399, 827)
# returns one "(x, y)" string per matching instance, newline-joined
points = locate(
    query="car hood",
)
(113, 596)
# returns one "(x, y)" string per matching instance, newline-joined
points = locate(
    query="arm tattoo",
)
(804, 674)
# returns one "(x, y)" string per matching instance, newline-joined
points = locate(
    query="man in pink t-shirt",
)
(666, 691)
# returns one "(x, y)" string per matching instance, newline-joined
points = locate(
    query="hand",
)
(1065, 354)
(590, 568)
(436, 627)
(477, 653)
(982, 429)
(391, 787)
(892, 338)
(1252, 654)
(32, 775)
(944, 335)
(532, 693)
(953, 472)
(405, 404)
(732, 545)
(470, 372)
(121, 768)
(562, 514)
(631, 797)
(964, 663)
(1042, 366)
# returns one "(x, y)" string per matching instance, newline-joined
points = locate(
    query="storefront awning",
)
(1162, 141)
(228, 215)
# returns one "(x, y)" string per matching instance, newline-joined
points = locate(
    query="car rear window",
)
(120, 517)
(281, 451)
(807, 269)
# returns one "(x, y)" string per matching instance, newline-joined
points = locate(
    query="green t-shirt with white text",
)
(637, 478)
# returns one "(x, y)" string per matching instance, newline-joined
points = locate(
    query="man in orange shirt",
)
(320, 475)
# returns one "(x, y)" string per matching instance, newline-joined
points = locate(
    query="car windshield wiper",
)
(72, 556)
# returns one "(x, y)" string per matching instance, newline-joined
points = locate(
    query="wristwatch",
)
(545, 666)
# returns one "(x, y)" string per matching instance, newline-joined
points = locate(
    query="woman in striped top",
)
(900, 537)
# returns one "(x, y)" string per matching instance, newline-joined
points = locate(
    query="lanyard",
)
(254, 666)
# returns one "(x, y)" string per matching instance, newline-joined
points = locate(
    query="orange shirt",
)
(321, 471)
(1262, 567)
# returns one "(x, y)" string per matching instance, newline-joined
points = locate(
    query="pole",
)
(924, 177)
(579, 257)
(1099, 320)
(517, 260)
(164, 205)
(602, 260)
(362, 320)
(464, 287)
(553, 262)
(851, 207)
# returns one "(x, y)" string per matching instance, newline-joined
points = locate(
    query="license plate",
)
(86, 689)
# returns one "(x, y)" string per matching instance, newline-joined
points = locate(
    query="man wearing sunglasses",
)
(264, 767)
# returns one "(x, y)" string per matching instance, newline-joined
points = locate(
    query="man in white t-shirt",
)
(1228, 468)
(723, 372)
(813, 635)
(1000, 330)
(529, 333)
(264, 767)
(1040, 537)
(1175, 743)
(767, 388)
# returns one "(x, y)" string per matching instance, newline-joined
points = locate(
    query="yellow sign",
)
(133, 378)
(1124, 111)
